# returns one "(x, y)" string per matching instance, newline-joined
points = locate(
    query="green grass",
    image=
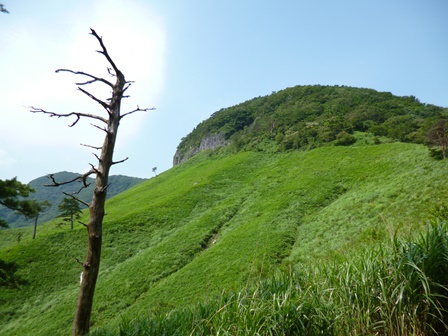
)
(222, 223)
(400, 290)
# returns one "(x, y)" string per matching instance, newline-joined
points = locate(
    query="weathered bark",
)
(81, 323)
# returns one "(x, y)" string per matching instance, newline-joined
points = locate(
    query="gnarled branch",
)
(82, 178)
(78, 115)
(104, 52)
(94, 78)
(138, 109)
(57, 184)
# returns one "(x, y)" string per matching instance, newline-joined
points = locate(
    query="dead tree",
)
(109, 125)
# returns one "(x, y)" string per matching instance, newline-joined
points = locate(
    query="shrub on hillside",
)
(344, 139)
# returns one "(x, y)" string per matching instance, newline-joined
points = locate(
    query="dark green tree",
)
(8, 275)
(69, 210)
(11, 194)
(344, 139)
(437, 139)
(38, 208)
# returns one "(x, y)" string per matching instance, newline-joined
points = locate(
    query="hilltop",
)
(252, 224)
(307, 117)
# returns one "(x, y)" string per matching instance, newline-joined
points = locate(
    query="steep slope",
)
(222, 221)
(118, 184)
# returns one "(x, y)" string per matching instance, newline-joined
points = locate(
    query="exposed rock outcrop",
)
(209, 142)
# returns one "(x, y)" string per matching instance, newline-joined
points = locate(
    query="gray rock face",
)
(209, 142)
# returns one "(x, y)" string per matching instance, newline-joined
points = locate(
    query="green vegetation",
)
(398, 291)
(69, 210)
(118, 184)
(306, 117)
(219, 235)
(12, 193)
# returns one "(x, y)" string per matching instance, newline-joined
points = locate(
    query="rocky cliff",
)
(209, 142)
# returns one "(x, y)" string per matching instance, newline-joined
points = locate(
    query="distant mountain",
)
(54, 195)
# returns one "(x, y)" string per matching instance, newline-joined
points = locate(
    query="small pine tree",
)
(69, 210)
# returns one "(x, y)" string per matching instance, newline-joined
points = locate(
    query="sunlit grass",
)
(400, 290)
(223, 223)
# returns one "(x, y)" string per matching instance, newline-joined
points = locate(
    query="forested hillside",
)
(306, 117)
(118, 184)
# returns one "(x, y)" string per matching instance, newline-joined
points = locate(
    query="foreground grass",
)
(397, 291)
(218, 224)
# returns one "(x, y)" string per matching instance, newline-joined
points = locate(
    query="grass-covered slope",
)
(220, 223)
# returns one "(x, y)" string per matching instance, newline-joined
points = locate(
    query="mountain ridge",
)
(118, 183)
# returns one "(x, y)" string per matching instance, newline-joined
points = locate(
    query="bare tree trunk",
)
(35, 225)
(81, 322)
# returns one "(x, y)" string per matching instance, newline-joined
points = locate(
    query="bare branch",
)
(97, 157)
(86, 175)
(138, 109)
(121, 161)
(81, 178)
(100, 128)
(94, 78)
(90, 146)
(78, 115)
(99, 101)
(109, 70)
(93, 167)
(79, 262)
(57, 184)
(105, 53)
(128, 84)
(77, 198)
(83, 223)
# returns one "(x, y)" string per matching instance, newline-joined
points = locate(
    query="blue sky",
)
(190, 58)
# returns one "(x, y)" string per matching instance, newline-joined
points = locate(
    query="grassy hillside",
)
(219, 223)
(118, 184)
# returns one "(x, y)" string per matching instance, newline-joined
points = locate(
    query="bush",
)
(344, 139)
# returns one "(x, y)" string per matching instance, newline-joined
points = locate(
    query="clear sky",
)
(190, 58)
